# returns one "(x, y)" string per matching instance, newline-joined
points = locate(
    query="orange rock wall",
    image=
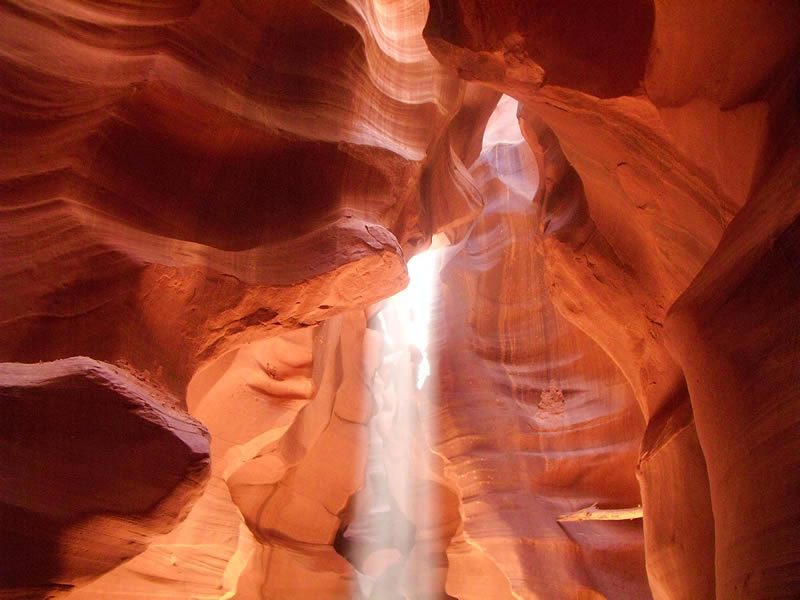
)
(533, 419)
(646, 161)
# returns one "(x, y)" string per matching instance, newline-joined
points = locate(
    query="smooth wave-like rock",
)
(284, 420)
(534, 420)
(743, 384)
(646, 161)
(260, 160)
(181, 179)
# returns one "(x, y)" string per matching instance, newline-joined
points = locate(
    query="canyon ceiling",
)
(205, 205)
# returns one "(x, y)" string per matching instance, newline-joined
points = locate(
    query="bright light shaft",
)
(417, 302)
(395, 513)
(503, 126)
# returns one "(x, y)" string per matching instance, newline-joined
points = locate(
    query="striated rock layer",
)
(179, 179)
(534, 420)
(203, 154)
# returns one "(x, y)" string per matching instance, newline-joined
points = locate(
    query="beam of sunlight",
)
(503, 125)
(417, 302)
(388, 537)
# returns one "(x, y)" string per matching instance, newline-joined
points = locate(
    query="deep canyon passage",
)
(400, 300)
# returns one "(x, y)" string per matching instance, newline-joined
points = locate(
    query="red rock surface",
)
(750, 440)
(207, 198)
(94, 466)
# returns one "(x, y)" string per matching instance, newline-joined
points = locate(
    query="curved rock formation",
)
(124, 227)
(95, 464)
(279, 411)
(744, 386)
(534, 420)
(646, 159)
(182, 178)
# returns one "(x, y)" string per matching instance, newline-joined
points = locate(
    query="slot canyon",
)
(400, 299)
